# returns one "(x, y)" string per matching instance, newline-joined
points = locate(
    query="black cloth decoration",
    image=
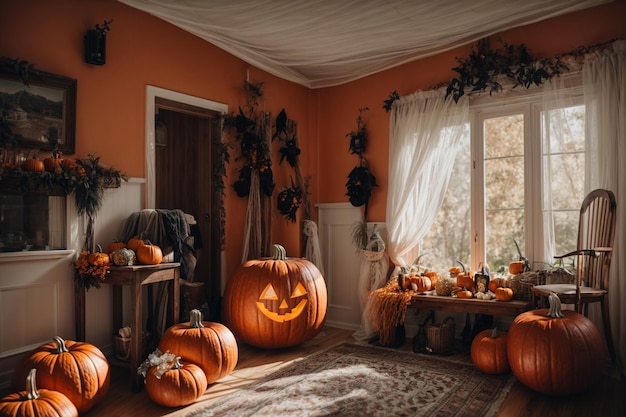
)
(360, 183)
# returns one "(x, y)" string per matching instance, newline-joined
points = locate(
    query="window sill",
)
(24, 256)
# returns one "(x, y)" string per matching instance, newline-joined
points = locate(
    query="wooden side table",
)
(136, 276)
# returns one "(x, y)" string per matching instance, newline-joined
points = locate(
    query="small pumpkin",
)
(516, 267)
(53, 162)
(211, 346)
(180, 385)
(554, 351)
(465, 278)
(495, 283)
(98, 258)
(33, 402)
(115, 245)
(464, 294)
(134, 242)
(123, 257)
(69, 164)
(149, 254)
(434, 277)
(488, 352)
(422, 282)
(34, 165)
(276, 302)
(78, 370)
(504, 294)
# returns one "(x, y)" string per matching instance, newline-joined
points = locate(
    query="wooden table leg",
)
(136, 340)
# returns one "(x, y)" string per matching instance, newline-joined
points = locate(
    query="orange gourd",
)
(434, 277)
(78, 370)
(53, 162)
(504, 294)
(211, 346)
(36, 403)
(180, 385)
(516, 267)
(555, 352)
(465, 278)
(488, 352)
(276, 302)
(149, 254)
(464, 294)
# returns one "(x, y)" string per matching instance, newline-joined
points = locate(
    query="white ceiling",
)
(321, 43)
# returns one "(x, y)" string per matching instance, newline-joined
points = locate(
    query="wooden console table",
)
(469, 305)
(135, 276)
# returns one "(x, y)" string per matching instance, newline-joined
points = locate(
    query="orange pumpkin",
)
(34, 402)
(178, 386)
(516, 267)
(53, 162)
(134, 242)
(555, 352)
(98, 258)
(149, 254)
(276, 302)
(34, 165)
(423, 283)
(434, 277)
(115, 245)
(495, 283)
(464, 294)
(69, 164)
(211, 346)
(488, 352)
(78, 370)
(504, 294)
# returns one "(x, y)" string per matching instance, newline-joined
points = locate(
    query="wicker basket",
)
(440, 337)
(523, 283)
(121, 347)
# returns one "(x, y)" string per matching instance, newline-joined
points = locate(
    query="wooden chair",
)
(596, 232)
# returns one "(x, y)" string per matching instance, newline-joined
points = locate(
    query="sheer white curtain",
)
(604, 84)
(425, 132)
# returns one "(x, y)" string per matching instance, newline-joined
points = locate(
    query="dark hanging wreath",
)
(360, 184)
(289, 200)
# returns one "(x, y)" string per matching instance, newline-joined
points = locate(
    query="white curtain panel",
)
(604, 84)
(320, 43)
(425, 132)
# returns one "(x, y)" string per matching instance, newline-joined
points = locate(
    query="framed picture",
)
(40, 115)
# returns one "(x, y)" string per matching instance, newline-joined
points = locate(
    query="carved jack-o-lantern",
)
(276, 302)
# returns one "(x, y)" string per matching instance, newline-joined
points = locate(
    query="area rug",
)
(363, 380)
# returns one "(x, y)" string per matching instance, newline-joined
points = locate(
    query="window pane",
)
(449, 238)
(504, 189)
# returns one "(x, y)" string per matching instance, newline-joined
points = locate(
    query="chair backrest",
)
(596, 228)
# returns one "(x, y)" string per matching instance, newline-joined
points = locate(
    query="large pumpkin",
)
(211, 346)
(488, 352)
(276, 302)
(77, 369)
(555, 352)
(36, 403)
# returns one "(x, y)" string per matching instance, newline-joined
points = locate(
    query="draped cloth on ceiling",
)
(324, 43)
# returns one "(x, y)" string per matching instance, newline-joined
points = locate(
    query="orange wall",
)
(339, 105)
(143, 50)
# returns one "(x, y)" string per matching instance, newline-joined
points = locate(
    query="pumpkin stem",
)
(494, 333)
(61, 348)
(462, 266)
(280, 254)
(555, 306)
(99, 248)
(31, 386)
(177, 364)
(195, 319)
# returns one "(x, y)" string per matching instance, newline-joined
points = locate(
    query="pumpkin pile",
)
(276, 302)
(65, 371)
(196, 354)
(136, 250)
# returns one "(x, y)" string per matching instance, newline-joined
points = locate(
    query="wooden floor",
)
(608, 399)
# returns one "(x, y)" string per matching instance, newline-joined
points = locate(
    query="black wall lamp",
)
(95, 44)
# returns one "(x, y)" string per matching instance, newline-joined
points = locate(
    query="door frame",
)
(152, 93)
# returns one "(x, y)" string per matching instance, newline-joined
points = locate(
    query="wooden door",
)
(186, 143)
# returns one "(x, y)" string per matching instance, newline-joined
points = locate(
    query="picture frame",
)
(39, 113)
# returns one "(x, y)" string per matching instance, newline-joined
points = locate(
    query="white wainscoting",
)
(37, 288)
(342, 262)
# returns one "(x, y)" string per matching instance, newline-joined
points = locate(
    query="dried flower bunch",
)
(91, 269)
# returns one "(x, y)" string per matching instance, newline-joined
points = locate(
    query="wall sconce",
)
(95, 44)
